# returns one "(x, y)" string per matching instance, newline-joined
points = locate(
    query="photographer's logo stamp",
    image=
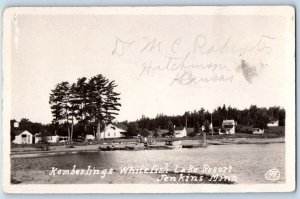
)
(272, 175)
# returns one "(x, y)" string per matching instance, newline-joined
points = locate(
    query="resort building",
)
(180, 132)
(51, 137)
(273, 123)
(63, 139)
(113, 131)
(229, 126)
(89, 137)
(258, 131)
(22, 137)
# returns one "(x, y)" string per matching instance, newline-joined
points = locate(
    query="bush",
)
(145, 132)
(155, 135)
(192, 134)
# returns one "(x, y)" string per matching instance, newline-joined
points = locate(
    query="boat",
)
(108, 148)
(172, 144)
(137, 146)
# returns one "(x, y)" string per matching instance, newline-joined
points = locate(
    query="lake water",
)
(249, 162)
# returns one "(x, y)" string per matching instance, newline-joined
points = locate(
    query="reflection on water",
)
(249, 162)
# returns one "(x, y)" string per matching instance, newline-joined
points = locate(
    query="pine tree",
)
(59, 103)
(96, 92)
(81, 95)
(91, 102)
(111, 102)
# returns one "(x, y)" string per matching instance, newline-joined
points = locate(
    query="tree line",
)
(253, 116)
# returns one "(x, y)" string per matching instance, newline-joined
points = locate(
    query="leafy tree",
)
(145, 132)
(44, 141)
(170, 128)
(206, 126)
(196, 128)
(281, 117)
(155, 134)
(12, 130)
(132, 130)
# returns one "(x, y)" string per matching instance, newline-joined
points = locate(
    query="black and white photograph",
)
(149, 99)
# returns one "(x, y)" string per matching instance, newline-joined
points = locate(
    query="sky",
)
(161, 63)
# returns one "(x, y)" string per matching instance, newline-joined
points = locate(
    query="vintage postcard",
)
(149, 99)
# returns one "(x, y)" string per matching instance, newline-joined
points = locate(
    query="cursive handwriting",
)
(187, 78)
(181, 56)
(179, 63)
(121, 46)
(201, 45)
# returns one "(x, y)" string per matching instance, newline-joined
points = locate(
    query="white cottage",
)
(273, 123)
(51, 138)
(229, 126)
(89, 137)
(113, 131)
(258, 131)
(22, 137)
(180, 132)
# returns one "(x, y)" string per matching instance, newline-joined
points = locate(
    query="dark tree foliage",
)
(170, 127)
(133, 130)
(12, 134)
(91, 108)
(82, 106)
(196, 129)
(254, 116)
(206, 126)
(145, 132)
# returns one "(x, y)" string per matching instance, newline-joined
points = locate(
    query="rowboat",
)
(171, 144)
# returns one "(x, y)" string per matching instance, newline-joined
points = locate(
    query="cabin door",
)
(24, 139)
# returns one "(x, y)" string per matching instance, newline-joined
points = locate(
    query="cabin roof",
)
(257, 129)
(121, 126)
(18, 132)
(46, 134)
(179, 128)
(228, 122)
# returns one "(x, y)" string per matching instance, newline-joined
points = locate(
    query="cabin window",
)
(108, 134)
(24, 135)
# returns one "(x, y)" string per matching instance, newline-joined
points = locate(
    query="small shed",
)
(89, 137)
(180, 132)
(229, 126)
(258, 131)
(22, 137)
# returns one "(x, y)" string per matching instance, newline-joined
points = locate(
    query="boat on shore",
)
(130, 146)
(172, 144)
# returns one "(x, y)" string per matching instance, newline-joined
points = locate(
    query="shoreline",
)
(53, 150)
